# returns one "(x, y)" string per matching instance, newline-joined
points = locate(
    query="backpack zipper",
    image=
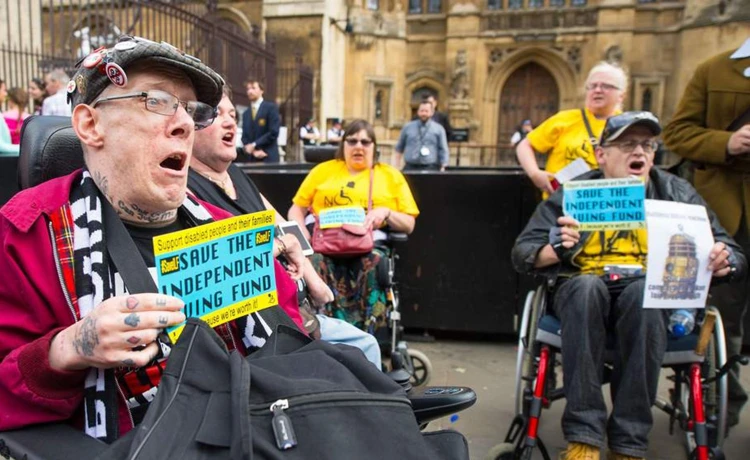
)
(283, 429)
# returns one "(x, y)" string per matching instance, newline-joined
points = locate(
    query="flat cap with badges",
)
(108, 66)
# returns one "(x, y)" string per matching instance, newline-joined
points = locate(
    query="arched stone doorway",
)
(530, 92)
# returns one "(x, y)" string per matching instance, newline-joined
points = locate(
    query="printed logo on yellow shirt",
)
(613, 248)
(585, 151)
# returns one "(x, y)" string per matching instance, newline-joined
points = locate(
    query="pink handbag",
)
(345, 241)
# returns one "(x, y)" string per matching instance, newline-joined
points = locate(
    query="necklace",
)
(226, 185)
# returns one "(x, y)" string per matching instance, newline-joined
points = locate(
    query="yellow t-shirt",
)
(564, 138)
(619, 247)
(330, 184)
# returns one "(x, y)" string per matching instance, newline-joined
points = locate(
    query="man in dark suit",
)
(440, 117)
(260, 125)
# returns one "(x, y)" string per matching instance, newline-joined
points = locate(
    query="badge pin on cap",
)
(92, 60)
(71, 86)
(81, 84)
(126, 45)
(116, 75)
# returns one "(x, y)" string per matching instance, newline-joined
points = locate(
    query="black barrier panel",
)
(8, 177)
(455, 271)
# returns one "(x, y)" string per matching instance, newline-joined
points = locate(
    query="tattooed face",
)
(141, 157)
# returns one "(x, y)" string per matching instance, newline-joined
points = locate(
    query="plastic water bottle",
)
(681, 322)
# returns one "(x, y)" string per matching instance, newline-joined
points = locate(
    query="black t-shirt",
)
(248, 196)
(143, 237)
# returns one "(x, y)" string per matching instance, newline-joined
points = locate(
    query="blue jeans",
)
(589, 311)
(338, 331)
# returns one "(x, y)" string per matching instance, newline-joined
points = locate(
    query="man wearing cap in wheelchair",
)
(589, 307)
(74, 345)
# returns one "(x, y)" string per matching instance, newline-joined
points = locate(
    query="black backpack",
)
(293, 399)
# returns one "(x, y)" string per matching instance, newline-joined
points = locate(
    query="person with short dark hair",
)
(336, 133)
(590, 307)
(440, 117)
(309, 133)
(520, 134)
(260, 125)
(423, 144)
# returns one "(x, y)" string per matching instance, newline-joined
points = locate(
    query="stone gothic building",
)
(492, 63)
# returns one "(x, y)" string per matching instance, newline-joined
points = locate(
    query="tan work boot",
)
(579, 451)
(615, 456)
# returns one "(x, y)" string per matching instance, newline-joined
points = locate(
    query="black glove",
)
(555, 240)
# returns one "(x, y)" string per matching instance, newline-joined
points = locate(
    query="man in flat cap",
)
(589, 306)
(75, 346)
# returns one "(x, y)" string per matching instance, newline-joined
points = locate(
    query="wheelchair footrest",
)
(431, 403)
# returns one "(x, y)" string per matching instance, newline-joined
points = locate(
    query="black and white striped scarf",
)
(93, 284)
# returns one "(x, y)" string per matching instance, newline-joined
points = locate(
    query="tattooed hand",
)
(120, 331)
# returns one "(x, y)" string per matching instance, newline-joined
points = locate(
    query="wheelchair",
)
(396, 350)
(697, 401)
(49, 149)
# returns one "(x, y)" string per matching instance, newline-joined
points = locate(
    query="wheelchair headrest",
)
(49, 149)
(319, 153)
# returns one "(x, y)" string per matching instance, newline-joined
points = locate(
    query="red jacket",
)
(33, 308)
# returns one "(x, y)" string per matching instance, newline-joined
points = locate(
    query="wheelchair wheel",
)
(504, 451)
(525, 359)
(715, 393)
(421, 368)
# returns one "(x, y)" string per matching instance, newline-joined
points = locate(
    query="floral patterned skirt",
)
(358, 298)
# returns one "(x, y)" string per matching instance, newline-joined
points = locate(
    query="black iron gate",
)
(295, 83)
(41, 35)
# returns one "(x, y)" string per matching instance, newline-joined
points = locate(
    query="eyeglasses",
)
(353, 142)
(603, 86)
(166, 104)
(630, 146)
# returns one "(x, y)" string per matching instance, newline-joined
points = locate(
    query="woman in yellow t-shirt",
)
(345, 181)
(564, 137)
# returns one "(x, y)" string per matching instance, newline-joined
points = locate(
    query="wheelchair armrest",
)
(398, 237)
(50, 442)
(431, 403)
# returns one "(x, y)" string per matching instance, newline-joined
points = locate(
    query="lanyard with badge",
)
(423, 150)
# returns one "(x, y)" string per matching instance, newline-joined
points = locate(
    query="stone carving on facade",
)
(496, 55)
(574, 58)
(614, 55)
(460, 77)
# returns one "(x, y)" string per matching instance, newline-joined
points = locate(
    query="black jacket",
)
(661, 186)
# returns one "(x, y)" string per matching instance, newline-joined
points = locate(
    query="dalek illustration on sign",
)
(681, 268)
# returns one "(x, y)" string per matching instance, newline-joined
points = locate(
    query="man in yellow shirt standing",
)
(571, 134)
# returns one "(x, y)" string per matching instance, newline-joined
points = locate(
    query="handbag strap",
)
(740, 121)
(369, 192)
(592, 138)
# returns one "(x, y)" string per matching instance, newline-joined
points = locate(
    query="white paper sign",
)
(679, 242)
(281, 140)
(574, 169)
